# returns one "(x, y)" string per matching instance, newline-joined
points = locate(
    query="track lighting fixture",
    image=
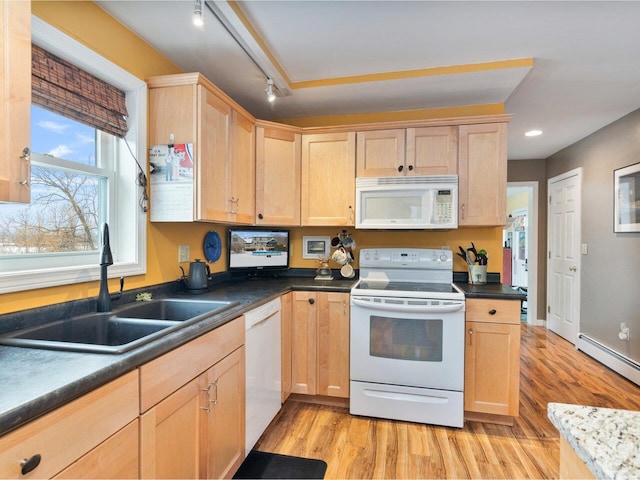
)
(198, 14)
(271, 96)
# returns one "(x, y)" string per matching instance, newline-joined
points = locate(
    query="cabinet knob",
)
(400, 168)
(29, 464)
(260, 216)
(492, 311)
(312, 301)
(410, 168)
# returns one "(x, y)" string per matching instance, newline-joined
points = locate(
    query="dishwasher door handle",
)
(258, 320)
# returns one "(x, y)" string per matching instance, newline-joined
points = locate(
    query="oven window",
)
(406, 339)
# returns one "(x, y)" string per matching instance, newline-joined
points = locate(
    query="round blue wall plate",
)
(212, 246)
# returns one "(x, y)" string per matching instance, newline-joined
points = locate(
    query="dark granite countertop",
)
(36, 381)
(490, 290)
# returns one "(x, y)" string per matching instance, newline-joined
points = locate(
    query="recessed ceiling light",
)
(533, 133)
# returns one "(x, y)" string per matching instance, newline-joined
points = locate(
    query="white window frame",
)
(128, 224)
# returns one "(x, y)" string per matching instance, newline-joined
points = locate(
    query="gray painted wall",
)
(611, 270)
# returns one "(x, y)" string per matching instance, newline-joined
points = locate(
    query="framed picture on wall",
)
(626, 200)
(316, 247)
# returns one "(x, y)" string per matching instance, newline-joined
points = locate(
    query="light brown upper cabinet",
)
(15, 58)
(482, 170)
(278, 155)
(193, 110)
(241, 173)
(328, 179)
(410, 151)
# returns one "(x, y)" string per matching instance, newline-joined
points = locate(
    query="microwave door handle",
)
(409, 308)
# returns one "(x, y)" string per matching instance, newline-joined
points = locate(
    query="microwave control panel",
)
(444, 206)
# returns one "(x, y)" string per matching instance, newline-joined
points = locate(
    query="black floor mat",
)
(272, 465)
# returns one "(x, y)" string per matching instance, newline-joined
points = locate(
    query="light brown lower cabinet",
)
(492, 358)
(196, 431)
(320, 344)
(94, 436)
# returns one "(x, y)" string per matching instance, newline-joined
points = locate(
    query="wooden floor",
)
(355, 447)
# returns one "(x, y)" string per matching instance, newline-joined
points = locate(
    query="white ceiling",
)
(583, 72)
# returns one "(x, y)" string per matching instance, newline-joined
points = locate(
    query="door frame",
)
(532, 241)
(576, 172)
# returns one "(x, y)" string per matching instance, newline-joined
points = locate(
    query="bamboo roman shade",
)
(64, 88)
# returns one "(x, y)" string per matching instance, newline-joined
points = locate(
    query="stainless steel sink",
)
(97, 332)
(173, 309)
(116, 332)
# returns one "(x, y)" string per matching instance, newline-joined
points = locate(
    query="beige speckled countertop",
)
(606, 439)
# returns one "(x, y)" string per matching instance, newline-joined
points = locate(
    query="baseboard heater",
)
(617, 362)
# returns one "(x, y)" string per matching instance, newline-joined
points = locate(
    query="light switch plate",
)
(183, 253)
(584, 249)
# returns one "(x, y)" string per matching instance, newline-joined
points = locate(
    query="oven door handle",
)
(455, 307)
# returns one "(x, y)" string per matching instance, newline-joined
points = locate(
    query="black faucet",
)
(106, 259)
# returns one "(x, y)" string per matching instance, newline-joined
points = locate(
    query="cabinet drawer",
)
(116, 457)
(504, 311)
(164, 375)
(64, 435)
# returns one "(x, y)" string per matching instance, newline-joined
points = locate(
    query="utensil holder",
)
(477, 274)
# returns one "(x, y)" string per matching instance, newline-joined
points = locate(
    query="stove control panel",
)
(419, 258)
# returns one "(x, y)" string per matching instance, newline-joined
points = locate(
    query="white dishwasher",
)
(263, 369)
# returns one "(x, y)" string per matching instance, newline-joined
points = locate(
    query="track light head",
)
(271, 96)
(198, 13)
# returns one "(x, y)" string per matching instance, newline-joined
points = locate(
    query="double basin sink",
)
(119, 331)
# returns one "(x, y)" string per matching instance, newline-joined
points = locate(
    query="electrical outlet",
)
(584, 249)
(183, 253)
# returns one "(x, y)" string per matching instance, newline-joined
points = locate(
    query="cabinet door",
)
(15, 69)
(303, 343)
(432, 151)
(328, 179)
(492, 368)
(173, 432)
(277, 177)
(116, 457)
(286, 314)
(242, 177)
(482, 170)
(71, 431)
(226, 415)
(381, 153)
(333, 344)
(212, 157)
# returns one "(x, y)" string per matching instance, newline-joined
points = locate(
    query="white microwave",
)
(412, 202)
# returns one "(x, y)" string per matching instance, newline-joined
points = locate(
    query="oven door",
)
(408, 341)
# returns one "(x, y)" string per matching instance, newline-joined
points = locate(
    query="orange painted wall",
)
(92, 26)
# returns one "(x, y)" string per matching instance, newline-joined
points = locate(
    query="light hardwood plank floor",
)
(356, 447)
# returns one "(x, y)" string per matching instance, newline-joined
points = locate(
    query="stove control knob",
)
(443, 257)
(434, 258)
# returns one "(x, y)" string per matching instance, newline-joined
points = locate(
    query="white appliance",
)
(412, 202)
(263, 369)
(407, 337)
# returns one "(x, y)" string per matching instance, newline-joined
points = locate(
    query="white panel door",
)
(563, 272)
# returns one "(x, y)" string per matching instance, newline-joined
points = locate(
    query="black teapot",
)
(198, 278)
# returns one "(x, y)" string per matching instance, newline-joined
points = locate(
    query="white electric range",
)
(407, 337)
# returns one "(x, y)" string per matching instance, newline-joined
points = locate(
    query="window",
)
(80, 178)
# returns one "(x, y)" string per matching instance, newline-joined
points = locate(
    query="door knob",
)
(573, 268)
